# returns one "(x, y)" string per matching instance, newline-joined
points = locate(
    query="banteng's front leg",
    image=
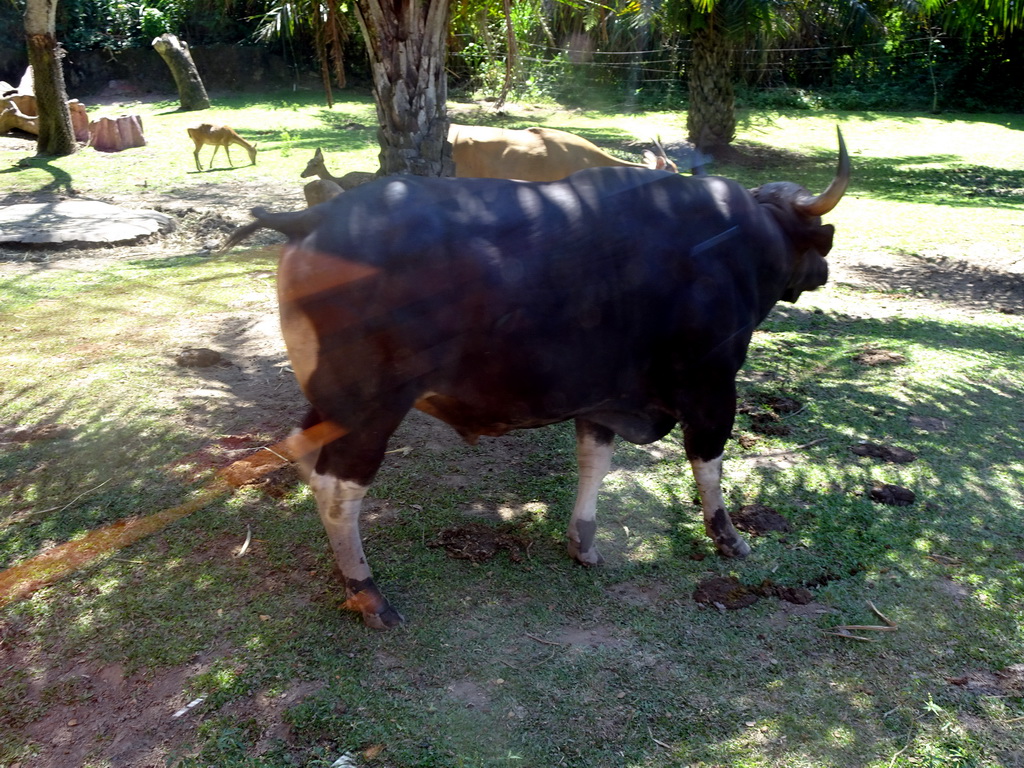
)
(707, 422)
(717, 523)
(594, 455)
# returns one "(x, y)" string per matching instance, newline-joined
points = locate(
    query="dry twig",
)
(771, 454)
(881, 615)
(848, 636)
(657, 741)
(248, 540)
(546, 642)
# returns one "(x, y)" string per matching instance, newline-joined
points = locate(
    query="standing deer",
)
(218, 136)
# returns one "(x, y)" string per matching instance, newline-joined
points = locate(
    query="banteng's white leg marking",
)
(340, 502)
(594, 459)
(719, 527)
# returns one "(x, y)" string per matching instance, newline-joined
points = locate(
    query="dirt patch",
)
(636, 594)
(1004, 682)
(101, 711)
(873, 356)
(34, 434)
(597, 636)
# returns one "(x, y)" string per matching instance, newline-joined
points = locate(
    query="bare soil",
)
(130, 720)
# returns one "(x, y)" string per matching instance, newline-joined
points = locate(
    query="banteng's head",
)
(799, 214)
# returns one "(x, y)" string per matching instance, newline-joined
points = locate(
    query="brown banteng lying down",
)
(533, 154)
(621, 298)
(219, 136)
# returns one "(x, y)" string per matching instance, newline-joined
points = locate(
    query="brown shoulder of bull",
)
(622, 298)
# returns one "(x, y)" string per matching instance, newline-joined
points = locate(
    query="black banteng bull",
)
(622, 298)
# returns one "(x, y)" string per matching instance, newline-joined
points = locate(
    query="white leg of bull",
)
(340, 502)
(594, 456)
(719, 527)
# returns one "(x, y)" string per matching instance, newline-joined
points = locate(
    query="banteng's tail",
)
(294, 225)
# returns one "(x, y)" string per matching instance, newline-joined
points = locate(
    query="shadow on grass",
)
(61, 182)
(241, 631)
(960, 282)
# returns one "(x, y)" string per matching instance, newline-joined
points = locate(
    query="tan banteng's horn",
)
(827, 200)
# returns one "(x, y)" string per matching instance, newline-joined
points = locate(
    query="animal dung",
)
(479, 543)
(198, 357)
(892, 495)
(758, 519)
(888, 453)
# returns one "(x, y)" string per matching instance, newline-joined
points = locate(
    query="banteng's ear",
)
(821, 238)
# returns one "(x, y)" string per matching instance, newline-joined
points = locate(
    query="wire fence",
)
(666, 64)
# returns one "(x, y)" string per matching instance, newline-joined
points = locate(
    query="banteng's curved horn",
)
(827, 200)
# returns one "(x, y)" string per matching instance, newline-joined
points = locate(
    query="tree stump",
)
(80, 120)
(112, 134)
(191, 91)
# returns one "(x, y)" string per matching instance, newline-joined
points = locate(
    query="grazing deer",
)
(218, 136)
(316, 167)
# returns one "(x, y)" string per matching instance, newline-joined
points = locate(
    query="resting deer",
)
(327, 185)
(218, 136)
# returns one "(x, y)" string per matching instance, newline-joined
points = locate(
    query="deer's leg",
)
(196, 154)
(227, 151)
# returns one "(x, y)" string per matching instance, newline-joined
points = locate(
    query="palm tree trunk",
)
(407, 42)
(56, 135)
(711, 119)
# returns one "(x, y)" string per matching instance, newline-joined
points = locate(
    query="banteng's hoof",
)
(389, 619)
(589, 557)
(733, 547)
(721, 530)
(375, 609)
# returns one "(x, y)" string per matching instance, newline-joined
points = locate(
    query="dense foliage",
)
(807, 54)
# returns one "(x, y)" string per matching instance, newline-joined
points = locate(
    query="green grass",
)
(538, 663)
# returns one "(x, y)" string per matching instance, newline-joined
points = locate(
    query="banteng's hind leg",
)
(594, 446)
(339, 476)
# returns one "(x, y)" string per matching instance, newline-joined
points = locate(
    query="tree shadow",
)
(964, 283)
(61, 182)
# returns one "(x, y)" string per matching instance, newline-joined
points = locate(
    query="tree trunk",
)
(56, 136)
(711, 118)
(407, 42)
(191, 91)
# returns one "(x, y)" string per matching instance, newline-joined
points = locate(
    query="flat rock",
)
(78, 221)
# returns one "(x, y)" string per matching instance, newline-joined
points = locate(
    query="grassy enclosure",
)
(523, 658)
